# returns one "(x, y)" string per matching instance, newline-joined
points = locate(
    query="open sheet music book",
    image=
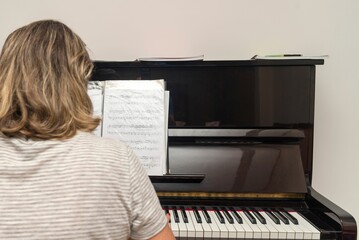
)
(135, 112)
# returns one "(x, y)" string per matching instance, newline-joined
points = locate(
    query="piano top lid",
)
(209, 63)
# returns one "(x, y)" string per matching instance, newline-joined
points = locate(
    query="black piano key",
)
(196, 214)
(184, 215)
(227, 215)
(272, 216)
(280, 216)
(249, 216)
(236, 215)
(219, 215)
(258, 216)
(289, 216)
(206, 215)
(175, 213)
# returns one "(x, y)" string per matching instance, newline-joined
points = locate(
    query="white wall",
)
(234, 29)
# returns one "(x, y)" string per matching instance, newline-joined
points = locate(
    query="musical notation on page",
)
(134, 112)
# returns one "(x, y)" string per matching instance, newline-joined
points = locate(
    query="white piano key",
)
(273, 231)
(191, 231)
(263, 228)
(305, 233)
(182, 226)
(308, 234)
(298, 234)
(256, 232)
(298, 229)
(267, 230)
(222, 227)
(249, 232)
(289, 230)
(207, 230)
(285, 230)
(216, 232)
(240, 232)
(174, 225)
(232, 232)
(197, 226)
(303, 222)
(301, 232)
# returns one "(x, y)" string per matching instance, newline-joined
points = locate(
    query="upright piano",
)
(240, 149)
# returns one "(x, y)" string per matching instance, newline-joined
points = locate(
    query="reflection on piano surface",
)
(240, 149)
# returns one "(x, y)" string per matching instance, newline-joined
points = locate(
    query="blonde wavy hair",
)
(44, 72)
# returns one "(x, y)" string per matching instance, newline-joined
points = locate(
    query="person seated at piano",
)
(58, 180)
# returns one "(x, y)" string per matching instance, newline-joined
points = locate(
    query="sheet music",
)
(172, 59)
(167, 104)
(134, 112)
(95, 92)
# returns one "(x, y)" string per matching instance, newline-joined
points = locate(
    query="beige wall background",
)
(231, 30)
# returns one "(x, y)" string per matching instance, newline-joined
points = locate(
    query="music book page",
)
(134, 112)
(95, 92)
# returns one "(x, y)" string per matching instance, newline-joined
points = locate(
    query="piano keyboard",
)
(238, 223)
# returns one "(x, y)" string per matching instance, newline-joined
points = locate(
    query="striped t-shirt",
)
(85, 187)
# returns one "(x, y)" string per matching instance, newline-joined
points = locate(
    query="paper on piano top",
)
(95, 92)
(134, 112)
(171, 59)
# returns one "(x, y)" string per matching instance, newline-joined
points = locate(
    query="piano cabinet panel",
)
(333, 214)
(241, 168)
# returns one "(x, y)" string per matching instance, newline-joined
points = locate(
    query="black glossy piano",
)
(240, 149)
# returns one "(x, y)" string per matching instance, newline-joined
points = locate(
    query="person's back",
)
(81, 188)
(58, 180)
